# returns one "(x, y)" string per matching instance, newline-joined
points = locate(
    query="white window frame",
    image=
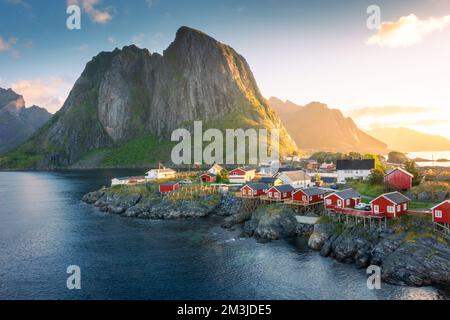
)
(405, 206)
(391, 209)
(438, 213)
(328, 201)
(339, 203)
(399, 208)
(376, 208)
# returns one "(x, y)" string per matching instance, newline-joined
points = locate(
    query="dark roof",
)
(325, 179)
(268, 179)
(257, 185)
(284, 169)
(285, 188)
(313, 191)
(348, 194)
(396, 197)
(328, 179)
(349, 164)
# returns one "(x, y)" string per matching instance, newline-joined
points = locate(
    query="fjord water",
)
(44, 228)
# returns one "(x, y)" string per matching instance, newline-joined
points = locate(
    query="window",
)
(438, 213)
(405, 206)
(284, 194)
(276, 194)
(399, 208)
(376, 209)
(339, 203)
(347, 202)
(328, 201)
(391, 209)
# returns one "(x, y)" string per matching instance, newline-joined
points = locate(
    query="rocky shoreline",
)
(408, 252)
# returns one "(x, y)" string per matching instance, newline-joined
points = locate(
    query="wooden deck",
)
(302, 203)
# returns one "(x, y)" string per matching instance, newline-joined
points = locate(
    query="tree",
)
(410, 166)
(222, 177)
(377, 174)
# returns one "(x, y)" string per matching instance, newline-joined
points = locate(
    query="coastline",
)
(408, 252)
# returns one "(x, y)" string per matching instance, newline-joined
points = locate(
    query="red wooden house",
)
(391, 205)
(241, 175)
(398, 179)
(254, 189)
(280, 193)
(168, 187)
(441, 212)
(348, 198)
(208, 177)
(309, 195)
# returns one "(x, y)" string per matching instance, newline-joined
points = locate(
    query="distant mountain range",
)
(18, 123)
(126, 103)
(408, 140)
(316, 127)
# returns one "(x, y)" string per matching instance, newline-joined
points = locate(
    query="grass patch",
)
(366, 189)
(141, 151)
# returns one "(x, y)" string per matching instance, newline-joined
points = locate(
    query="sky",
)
(395, 73)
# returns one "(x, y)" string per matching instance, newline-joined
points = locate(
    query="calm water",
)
(431, 155)
(44, 228)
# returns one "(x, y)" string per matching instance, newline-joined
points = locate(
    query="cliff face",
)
(18, 123)
(129, 93)
(315, 127)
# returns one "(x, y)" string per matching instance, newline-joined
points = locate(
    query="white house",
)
(157, 174)
(269, 169)
(297, 179)
(119, 181)
(215, 169)
(354, 169)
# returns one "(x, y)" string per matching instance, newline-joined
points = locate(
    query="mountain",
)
(127, 102)
(409, 140)
(18, 123)
(315, 127)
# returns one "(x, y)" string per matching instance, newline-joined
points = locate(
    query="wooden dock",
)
(353, 216)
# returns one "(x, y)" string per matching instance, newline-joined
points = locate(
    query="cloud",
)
(46, 94)
(385, 111)
(151, 3)
(407, 31)
(9, 46)
(89, 6)
(22, 3)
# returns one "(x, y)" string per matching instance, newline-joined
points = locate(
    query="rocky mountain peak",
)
(130, 93)
(11, 100)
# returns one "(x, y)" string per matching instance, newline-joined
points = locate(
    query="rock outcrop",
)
(155, 206)
(409, 255)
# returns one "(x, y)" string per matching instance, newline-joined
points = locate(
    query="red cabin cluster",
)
(348, 198)
(255, 189)
(391, 205)
(280, 193)
(168, 187)
(208, 177)
(398, 179)
(309, 195)
(441, 212)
